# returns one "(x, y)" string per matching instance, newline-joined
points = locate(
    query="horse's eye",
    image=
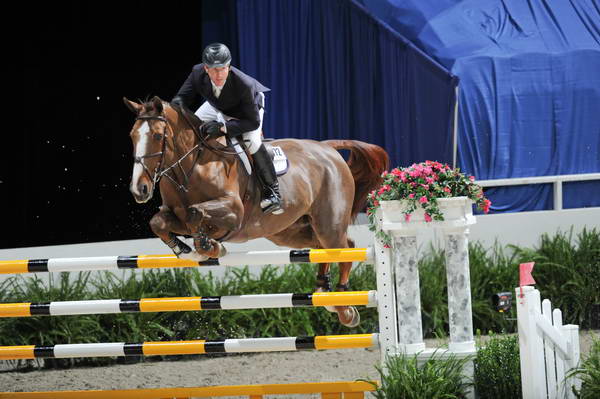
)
(157, 136)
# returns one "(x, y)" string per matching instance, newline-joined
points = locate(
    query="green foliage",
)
(404, 377)
(498, 369)
(589, 373)
(567, 271)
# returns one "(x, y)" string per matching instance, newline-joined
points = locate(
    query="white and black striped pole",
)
(234, 302)
(276, 257)
(281, 344)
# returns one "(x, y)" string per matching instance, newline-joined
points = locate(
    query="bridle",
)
(155, 177)
(159, 172)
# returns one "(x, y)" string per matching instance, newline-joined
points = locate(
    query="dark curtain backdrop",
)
(336, 72)
(67, 161)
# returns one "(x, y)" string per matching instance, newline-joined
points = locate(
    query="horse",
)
(208, 194)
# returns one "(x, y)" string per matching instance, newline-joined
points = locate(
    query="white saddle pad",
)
(280, 160)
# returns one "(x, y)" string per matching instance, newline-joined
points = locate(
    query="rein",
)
(159, 172)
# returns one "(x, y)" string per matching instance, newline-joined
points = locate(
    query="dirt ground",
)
(271, 368)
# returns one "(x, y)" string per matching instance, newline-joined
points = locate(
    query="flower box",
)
(456, 211)
(428, 193)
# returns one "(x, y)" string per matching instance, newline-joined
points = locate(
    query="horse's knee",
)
(159, 224)
(231, 221)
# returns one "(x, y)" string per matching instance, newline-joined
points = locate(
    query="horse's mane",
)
(188, 113)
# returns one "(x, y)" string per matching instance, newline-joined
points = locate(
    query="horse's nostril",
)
(145, 189)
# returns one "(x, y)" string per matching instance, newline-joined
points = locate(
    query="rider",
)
(241, 100)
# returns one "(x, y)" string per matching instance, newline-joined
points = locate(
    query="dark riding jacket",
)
(239, 97)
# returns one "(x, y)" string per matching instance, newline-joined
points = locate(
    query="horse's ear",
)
(158, 103)
(133, 106)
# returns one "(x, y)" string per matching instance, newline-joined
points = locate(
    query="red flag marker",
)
(525, 277)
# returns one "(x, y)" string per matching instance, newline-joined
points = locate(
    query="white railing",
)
(548, 350)
(557, 182)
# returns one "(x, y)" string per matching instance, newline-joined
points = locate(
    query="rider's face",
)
(218, 75)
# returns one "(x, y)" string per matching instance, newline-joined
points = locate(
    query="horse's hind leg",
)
(348, 315)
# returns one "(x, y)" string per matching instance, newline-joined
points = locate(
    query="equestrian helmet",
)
(216, 55)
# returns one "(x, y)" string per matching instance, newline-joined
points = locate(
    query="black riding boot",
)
(263, 165)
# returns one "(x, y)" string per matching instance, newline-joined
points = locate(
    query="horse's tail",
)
(366, 162)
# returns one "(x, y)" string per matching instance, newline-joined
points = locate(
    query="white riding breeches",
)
(252, 140)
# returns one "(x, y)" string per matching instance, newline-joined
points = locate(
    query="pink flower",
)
(423, 200)
(386, 246)
(396, 172)
(446, 189)
(429, 180)
(407, 217)
(403, 177)
(427, 217)
(472, 178)
(411, 195)
(425, 186)
(384, 188)
(486, 205)
(414, 173)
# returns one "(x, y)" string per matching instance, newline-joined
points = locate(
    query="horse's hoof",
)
(193, 255)
(222, 250)
(349, 317)
(331, 309)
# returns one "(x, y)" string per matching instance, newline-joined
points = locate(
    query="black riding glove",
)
(178, 101)
(212, 128)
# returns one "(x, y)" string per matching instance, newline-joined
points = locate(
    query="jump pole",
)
(194, 347)
(250, 258)
(234, 302)
(328, 390)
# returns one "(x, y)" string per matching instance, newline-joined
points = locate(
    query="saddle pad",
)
(280, 161)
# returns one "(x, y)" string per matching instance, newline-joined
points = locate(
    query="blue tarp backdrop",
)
(529, 102)
(529, 70)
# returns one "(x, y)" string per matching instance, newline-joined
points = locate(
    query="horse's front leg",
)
(213, 217)
(164, 224)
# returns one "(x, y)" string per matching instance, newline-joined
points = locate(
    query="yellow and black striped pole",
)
(319, 342)
(278, 257)
(264, 301)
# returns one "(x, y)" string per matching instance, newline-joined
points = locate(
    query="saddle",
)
(280, 160)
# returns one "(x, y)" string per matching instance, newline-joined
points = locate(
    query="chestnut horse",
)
(207, 194)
